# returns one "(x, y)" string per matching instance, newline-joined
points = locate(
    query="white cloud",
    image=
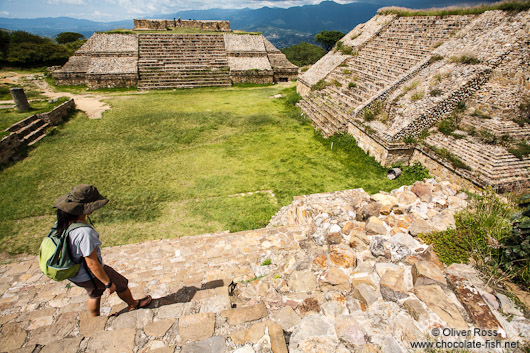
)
(4, 13)
(96, 14)
(66, 2)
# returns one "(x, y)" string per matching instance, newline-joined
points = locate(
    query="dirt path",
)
(91, 104)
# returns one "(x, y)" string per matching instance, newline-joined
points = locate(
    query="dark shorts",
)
(119, 281)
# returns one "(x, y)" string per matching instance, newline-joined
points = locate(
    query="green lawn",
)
(169, 160)
(9, 116)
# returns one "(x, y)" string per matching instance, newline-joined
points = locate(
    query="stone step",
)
(36, 135)
(21, 124)
(29, 128)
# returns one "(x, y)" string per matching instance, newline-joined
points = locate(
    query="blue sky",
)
(111, 10)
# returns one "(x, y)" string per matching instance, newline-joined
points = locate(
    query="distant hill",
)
(283, 27)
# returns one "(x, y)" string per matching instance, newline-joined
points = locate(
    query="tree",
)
(328, 38)
(303, 53)
(68, 37)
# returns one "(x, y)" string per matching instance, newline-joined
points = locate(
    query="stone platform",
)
(333, 272)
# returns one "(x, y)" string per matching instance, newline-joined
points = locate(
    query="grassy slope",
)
(168, 160)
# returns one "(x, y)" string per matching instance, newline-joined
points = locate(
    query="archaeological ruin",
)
(452, 92)
(155, 57)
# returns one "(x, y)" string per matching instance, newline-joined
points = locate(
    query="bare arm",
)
(96, 268)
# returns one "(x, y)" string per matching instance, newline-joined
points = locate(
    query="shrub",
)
(465, 59)
(410, 140)
(411, 85)
(455, 161)
(345, 49)
(447, 126)
(480, 114)
(352, 85)
(416, 96)
(461, 106)
(320, 85)
(267, 262)
(521, 150)
(336, 83)
(488, 137)
(369, 115)
(435, 92)
(435, 58)
(346, 72)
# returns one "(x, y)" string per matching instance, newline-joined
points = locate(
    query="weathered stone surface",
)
(407, 197)
(333, 238)
(196, 327)
(314, 331)
(158, 328)
(375, 226)
(424, 272)
(370, 210)
(334, 308)
(252, 334)
(366, 294)
(415, 309)
(12, 337)
(287, 318)
(118, 341)
(422, 190)
(378, 248)
(66, 345)
(309, 305)
(174, 311)
(65, 324)
(358, 278)
(349, 330)
(321, 261)
(208, 345)
(342, 256)
(386, 209)
(132, 319)
(405, 330)
(392, 286)
(437, 301)
(277, 338)
(238, 316)
(390, 346)
(420, 226)
(245, 349)
(90, 326)
(474, 304)
(337, 278)
(302, 281)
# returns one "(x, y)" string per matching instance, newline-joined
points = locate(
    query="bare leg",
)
(93, 306)
(127, 297)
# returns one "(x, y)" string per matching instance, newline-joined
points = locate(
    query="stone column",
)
(20, 99)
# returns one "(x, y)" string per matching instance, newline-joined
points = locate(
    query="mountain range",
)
(283, 27)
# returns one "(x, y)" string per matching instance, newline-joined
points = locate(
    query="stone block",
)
(252, 334)
(349, 330)
(415, 309)
(208, 345)
(375, 226)
(287, 318)
(158, 328)
(302, 281)
(436, 300)
(336, 278)
(66, 345)
(309, 305)
(196, 327)
(238, 316)
(366, 294)
(342, 256)
(420, 226)
(116, 341)
(422, 190)
(474, 304)
(392, 286)
(90, 326)
(12, 336)
(424, 272)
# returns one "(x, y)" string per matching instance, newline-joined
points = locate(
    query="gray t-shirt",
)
(82, 242)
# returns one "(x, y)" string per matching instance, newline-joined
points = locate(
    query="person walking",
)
(84, 246)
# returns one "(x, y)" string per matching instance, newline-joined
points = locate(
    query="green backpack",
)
(54, 256)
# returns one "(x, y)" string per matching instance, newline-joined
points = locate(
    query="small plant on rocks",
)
(320, 85)
(416, 96)
(435, 92)
(267, 262)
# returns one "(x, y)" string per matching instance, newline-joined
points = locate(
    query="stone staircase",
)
(384, 59)
(182, 61)
(333, 272)
(30, 130)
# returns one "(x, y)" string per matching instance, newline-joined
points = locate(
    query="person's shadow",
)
(183, 295)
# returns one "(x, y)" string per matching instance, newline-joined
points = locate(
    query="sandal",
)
(146, 301)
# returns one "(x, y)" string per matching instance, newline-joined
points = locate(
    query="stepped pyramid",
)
(158, 59)
(332, 272)
(393, 79)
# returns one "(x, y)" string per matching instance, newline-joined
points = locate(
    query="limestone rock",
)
(334, 308)
(333, 238)
(378, 248)
(375, 226)
(443, 220)
(245, 349)
(314, 331)
(238, 316)
(66, 345)
(366, 294)
(424, 272)
(392, 286)
(363, 277)
(342, 256)
(390, 346)
(196, 327)
(309, 305)
(12, 337)
(116, 341)
(349, 330)
(302, 281)
(90, 326)
(336, 278)
(415, 309)
(406, 198)
(474, 304)
(436, 300)
(370, 210)
(422, 190)
(420, 226)
(287, 318)
(252, 334)
(321, 261)
(405, 330)
(406, 240)
(208, 345)
(277, 338)
(158, 328)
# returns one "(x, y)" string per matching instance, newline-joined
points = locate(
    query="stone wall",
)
(252, 76)
(9, 147)
(58, 114)
(162, 25)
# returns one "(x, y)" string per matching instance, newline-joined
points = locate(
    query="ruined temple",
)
(156, 57)
(452, 92)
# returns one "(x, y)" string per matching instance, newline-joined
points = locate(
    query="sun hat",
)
(82, 199)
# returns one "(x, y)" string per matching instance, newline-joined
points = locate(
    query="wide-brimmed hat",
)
(83, 199)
